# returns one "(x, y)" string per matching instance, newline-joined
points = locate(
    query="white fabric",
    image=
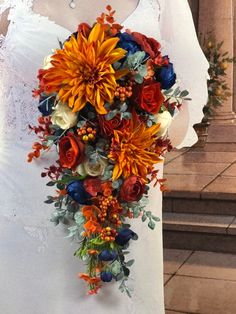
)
(37, 262)
(179, 41)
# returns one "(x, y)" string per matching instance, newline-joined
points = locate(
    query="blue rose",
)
(106, 276)
(107, 255)
(45, 105)
(166, 76)
(124, 236)
(77, 191)
(128, 43)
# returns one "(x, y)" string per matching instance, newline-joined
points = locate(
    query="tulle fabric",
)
(180, 42)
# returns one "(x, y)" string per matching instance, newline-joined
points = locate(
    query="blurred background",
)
(199, 210)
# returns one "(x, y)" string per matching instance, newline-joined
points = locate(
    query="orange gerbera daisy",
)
(82, 71)
(133, 149)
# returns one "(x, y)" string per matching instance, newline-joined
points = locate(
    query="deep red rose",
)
(132, 189)
(71, 151)
(93, 186)
(108, 126)
(150, 98)
(85, 29)
(148, 44)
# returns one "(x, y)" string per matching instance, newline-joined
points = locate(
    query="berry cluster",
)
(108, 234)
(87, 133)
(124, 92)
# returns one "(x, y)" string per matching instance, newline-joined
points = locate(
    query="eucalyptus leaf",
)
(138, 78)
(126, 115)
(80, 124)
(51, 183)
(123, 107)
(111, 114)
(130, 263)
(116, 268)
(151, 225)
(142, 70)
(184, 93)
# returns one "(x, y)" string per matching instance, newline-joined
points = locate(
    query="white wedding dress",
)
(37, 266)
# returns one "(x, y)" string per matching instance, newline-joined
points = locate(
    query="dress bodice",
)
(29, 39)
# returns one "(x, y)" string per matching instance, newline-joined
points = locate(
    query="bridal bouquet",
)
(106, 99)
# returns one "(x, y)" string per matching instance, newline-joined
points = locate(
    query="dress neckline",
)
(67, 30)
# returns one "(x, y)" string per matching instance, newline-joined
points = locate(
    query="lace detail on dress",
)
(18, 108)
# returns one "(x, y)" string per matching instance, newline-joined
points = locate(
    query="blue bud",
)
(107, 255)
(77, 191)
(106, 276)
(166, 76)
(124, 236)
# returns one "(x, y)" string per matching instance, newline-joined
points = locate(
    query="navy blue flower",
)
(124, 236)
(128, 43)
(107, 255)
(166, 76)
(77, 191)
(45, 105)
(106, 276)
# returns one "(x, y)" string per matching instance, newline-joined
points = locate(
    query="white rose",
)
(165, 119)
(95, 169)
(80, 170)
(47, 62)
(64, 117)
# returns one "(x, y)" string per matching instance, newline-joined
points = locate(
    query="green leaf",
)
(126, 115)
(116, 268)
(138, 78)
(51, 183)
(142, 70)
(80, 124)
(151, 225)
(124, 107)
(115, 184)
(111, 114)
(79, 218)
(144, 218)
(50, 201)
(51, 138)
(184, 93)
(156, 218)
(130, 263)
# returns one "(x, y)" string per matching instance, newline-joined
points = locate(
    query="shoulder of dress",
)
(8, 4)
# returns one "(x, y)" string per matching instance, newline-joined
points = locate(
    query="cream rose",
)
(47, 62)
(94, 169)
(64, 117)
(165, 119)
(80, 170)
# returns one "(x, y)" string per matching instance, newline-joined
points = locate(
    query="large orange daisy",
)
(82, 71)
(133, 149)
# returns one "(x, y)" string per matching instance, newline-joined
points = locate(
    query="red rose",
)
(150, 97)
(108, 126)
(148, 44)
(93, 186)
(85, 29)
(71, 151)
(132, 189)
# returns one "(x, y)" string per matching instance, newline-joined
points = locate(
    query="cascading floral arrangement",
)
(106, 99)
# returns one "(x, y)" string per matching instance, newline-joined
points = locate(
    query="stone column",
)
(216, 16)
